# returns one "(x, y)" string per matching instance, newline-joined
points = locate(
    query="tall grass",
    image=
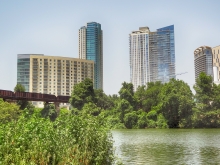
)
(70, 139)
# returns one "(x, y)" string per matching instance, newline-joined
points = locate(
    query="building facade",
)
(216, 64)
(203, 61)
(91, 48)
(152, 55)
(52, 74)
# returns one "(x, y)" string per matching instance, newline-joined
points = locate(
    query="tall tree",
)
(82, 93)
(204, 90)
(102, 100)
(176, 103)
(207, 109)
(22, 103)
(127, 92)
(148, 96)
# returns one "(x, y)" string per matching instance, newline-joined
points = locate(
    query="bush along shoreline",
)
(156, 105)
(70, 139)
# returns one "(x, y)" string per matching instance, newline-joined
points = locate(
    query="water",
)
(167, 146)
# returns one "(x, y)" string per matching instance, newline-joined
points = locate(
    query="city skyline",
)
(54, 31)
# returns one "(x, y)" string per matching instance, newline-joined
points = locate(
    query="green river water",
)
(167, 146)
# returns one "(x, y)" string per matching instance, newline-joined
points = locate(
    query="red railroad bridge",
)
(29, 96)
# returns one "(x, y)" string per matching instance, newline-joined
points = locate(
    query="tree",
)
(176, 103)
(82, 93)
(22, 103)
(102, 100)
(147, 97)
(206, 111)
(131, 120)
(127, 92)
(123, 108)
(8, 112)
(204, 90)
(91, 108)
(49, 111)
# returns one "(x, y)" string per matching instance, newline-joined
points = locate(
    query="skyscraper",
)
(203, 61)
(152, 55)
(91, 48)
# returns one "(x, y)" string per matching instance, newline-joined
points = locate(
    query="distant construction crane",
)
(180, 73)
(168, 77)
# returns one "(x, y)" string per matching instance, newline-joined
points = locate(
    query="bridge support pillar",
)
(57, 107)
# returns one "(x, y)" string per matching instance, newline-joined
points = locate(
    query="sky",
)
(50, 27)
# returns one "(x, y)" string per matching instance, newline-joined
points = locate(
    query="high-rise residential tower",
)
(152, 55)
(216, 64)
(203, 61)
(91, 48)
(52, 74)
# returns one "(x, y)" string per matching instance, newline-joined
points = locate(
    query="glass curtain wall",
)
(165, 54)
(94, 51)
(23, 71)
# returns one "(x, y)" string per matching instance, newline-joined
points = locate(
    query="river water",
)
(167, 146)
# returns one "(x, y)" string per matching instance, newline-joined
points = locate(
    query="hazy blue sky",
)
(50, 27)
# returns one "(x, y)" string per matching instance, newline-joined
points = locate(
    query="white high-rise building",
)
(152, 55)
(139, 68)
(82, 42)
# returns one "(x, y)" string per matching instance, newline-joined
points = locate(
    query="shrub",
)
(70, 139)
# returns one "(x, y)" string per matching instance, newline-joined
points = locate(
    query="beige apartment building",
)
(52, 74)
(216, 63)
(207, 59)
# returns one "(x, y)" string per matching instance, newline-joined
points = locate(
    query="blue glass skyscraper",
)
(165, 54)
(91, 48)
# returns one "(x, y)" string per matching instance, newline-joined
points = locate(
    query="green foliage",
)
(91, 108)
(146, 98)
(152, 115)
(155, 105)
(19, 88)
(151, 124)
(127, 92)
(102, 100)
(130, 120)
(123, 108)
(216, 97)
(142, 120)
(22, 103)
(49, 111)
(161, 121)
(82, 93)
(8, 112)
(176, 102)
(203, 88)
(206, 112)
(70, 139)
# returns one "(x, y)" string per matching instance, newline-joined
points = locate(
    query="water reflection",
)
(169, 146)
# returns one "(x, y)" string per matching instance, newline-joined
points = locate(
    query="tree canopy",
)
(22, 103)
